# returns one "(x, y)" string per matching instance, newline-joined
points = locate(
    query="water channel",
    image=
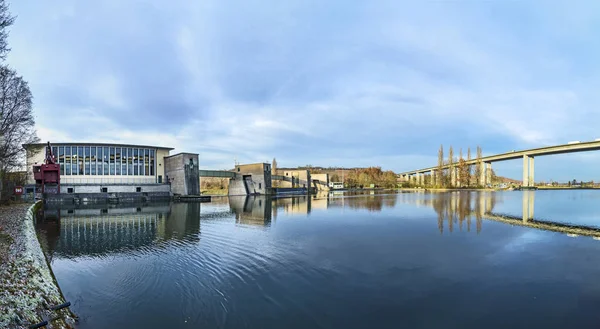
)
(399, 260)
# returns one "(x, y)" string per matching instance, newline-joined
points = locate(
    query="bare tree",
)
(451, 172)
(462, 170)
(16, 120)
(6, 20)
(469, 170)
(478, 167)
(440, 170)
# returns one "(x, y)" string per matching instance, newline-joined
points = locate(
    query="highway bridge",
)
(528, 157)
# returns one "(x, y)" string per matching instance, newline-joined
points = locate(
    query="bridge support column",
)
(488, 173)
(531, 172)
(432, 178)
(528, 171)
(452, 172)
(457, 179)
(482, 174)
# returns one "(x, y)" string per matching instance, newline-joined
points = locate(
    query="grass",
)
(214, 191)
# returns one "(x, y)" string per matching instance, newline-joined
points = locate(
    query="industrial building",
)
(117, 169)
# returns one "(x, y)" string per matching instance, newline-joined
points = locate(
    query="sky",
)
(335, 83)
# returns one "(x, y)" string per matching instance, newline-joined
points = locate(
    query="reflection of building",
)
(251, 210)
(293, 205)
(97, 231)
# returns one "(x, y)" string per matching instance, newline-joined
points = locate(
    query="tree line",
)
(457, 170)
(373, 175)
(16, 112)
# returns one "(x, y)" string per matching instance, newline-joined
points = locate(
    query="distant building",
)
(252, 178)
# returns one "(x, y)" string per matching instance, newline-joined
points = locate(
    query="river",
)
(405, 260)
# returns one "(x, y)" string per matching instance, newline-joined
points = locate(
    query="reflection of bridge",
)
(461, 206)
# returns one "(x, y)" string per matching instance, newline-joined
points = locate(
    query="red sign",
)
(18, 190)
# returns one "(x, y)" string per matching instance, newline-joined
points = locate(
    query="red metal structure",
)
(47, 175)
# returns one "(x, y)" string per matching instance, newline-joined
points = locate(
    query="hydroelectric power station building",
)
(118, 170)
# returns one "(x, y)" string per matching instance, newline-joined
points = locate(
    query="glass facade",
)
(105, 160)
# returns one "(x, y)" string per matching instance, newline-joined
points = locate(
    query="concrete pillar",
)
(531, 172)
(525, 170)
(419, 179)
(488, 173)
(432, 178)
(457, 179)
(452, 176)
(482, 177)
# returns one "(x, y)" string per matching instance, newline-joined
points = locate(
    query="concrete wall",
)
(298, 175)
(182, 172)
(160, 163)
(34, 155)
(321, 178)
(256, 177)
(236, 186)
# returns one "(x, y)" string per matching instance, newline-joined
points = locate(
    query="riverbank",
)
(27, 286)
(412, 189)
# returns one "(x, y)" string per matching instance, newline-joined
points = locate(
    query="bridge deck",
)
(540, 151)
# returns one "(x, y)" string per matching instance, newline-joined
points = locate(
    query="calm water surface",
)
(408, 260)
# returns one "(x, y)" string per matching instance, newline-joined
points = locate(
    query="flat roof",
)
(99, 144)
(180, 153)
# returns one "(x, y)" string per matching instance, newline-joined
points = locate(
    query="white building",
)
(99, 163)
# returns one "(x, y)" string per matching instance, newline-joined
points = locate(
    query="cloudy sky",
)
(331, 83)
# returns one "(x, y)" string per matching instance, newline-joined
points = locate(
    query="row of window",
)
(105, 160)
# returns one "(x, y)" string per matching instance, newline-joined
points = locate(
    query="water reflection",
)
(251, 210)
(99, 230)
(458, 210)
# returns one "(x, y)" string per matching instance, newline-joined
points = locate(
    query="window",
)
(146, 162)
(80, 157)
(105, 162)
(70, 190)
(93, 160)
(141, 162)
(61, 159)
(118, 161)
(67, 163)
(87, 160)
(151, 162)
(259, 186)
(130, 161)
(138, 189)
(136, 162)
(124, 161)
(104, 189)
(111, 160)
